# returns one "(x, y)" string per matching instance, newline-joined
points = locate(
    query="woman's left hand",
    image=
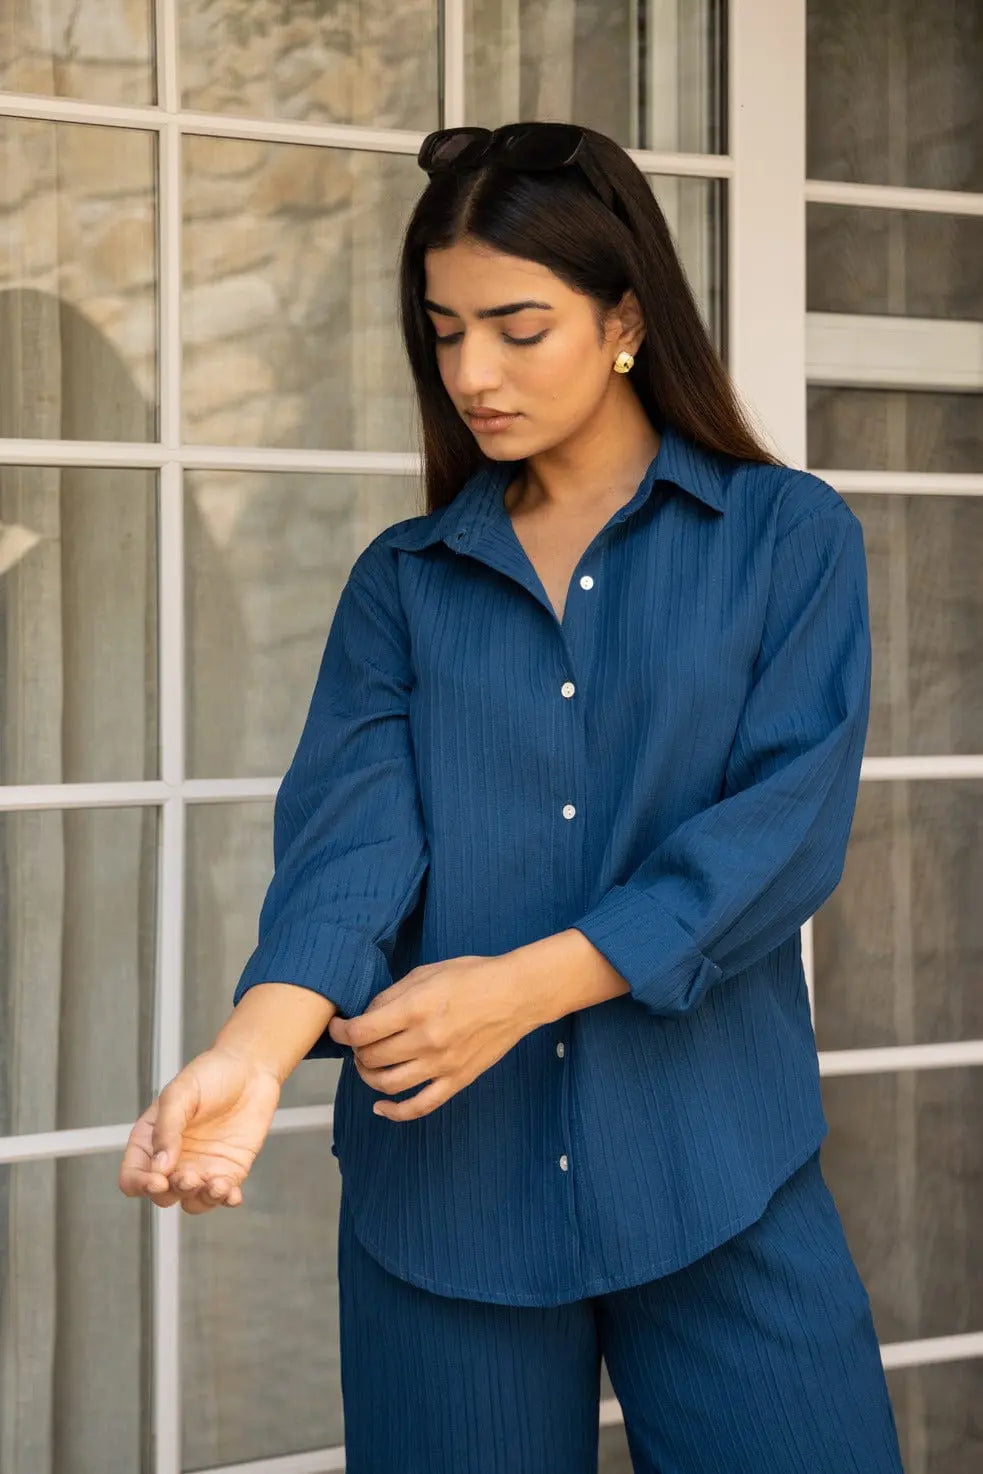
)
(445, 1022)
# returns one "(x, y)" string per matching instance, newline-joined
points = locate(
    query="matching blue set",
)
(671, 768)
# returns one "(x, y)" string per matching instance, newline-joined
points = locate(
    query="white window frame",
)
(775, 350)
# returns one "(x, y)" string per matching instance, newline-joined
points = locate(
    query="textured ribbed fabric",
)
(687, 808)
(759, 1358)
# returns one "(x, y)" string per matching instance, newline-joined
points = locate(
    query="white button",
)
(559, 1049)
(586, 582)
(563, 1162)
(568, 811)
(568, 688)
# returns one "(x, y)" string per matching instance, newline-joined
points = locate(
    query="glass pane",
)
(229, 866)
(904, 1162)
(937, 1409)
(268, 554)
(924, 558)
(696, 211)
(614, 1455)
(78, 894)
(100, 50)
(75, 1258)
(290, 311)
(259, 1312)
(78, 604)
(369, 62)
(899, 944)
(894, 430)
(78, 299)
(894, 94)
(895, 263)
(649, 73)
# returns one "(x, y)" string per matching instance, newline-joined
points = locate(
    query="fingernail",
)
(160, 1158)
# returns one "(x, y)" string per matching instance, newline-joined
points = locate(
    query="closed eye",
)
(453, 338)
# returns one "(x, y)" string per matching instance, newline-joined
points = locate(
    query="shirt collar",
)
(679, 461)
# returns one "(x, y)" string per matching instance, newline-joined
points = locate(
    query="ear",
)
(625, 325)
(629, 314)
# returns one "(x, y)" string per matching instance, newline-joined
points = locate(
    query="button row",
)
(568, 689)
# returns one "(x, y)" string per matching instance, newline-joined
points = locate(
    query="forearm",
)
(564, 972)
(275, 1024)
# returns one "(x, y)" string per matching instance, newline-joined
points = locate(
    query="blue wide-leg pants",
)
(758, 1358)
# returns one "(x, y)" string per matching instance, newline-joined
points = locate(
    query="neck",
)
(599, 465)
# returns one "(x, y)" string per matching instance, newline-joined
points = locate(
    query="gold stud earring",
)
(623, 362)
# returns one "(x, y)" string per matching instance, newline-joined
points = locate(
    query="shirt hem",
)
(602, 1284)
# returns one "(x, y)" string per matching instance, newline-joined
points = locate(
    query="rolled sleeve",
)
(349, 844)
(737, 879)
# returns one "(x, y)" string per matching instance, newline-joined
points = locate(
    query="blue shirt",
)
(672, 768)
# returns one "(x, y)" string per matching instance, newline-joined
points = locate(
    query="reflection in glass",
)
(899, 944)
(75, 1314)
(268, 554)
(904, 1163)
(369, 62)
(99, 50)
(894, 430)
(77, 943)
(78, 309)
(290, 310)
(78, 601)
(229, 866)
(894, 92)
(924, 562)
(695, 210)
(259, 1312)
(937, 1413)
(895, 263)
(649, 73)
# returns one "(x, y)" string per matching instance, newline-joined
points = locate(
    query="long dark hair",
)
(555, 218)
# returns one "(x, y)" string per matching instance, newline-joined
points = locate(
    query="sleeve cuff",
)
(657, 957)
(341, 965)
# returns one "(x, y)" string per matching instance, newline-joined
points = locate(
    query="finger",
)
(398, 1077)
(186, 1179)
(367, 1028)
(176, 1104)
(159, 1190)
(396, 1050)
(135, 1172)
(421, 1104)
(199, 1202)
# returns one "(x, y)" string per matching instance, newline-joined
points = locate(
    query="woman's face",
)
(553, 383)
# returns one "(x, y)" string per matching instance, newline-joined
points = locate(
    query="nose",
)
(475, 366)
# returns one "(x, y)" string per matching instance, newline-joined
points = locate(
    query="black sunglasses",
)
(526, 146)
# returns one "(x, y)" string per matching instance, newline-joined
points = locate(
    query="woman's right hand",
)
(210, 1121)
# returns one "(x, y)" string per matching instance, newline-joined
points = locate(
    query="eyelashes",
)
(518, 342)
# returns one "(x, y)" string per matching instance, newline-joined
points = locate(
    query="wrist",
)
(562, 973)
(274, 1025)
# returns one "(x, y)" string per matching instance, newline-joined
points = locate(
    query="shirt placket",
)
(575, 639)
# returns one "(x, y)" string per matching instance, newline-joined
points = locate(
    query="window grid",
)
(754, 81)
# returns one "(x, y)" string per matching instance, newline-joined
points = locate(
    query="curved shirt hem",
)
(601, 1285)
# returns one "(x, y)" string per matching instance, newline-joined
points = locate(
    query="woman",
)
(581, 758)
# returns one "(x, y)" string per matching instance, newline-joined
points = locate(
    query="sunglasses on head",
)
(525, 146)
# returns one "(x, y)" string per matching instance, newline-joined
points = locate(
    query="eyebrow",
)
(486, 311)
